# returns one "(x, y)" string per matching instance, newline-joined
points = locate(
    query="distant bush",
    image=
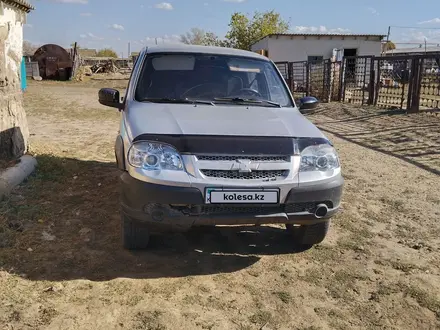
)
(107, 52)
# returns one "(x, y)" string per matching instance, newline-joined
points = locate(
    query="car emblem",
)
(244, 166)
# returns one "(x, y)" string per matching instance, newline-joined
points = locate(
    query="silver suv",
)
(212, 136)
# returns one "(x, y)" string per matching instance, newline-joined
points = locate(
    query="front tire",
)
(135, 235)
(308, 235)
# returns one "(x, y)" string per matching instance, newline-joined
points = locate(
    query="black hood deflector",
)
(233, 145)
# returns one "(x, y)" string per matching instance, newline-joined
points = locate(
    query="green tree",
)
(107, 52)
(211, 39)
(244, 30)
(194, 37)
(29, 48)
(198, 36)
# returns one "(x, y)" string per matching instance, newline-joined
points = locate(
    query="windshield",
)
(212, 78)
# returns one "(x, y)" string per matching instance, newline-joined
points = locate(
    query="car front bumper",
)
(171, 208)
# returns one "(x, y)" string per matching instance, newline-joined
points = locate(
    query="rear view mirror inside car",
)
(244, 66)
(173, 62)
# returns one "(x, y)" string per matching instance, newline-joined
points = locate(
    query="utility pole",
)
(156, 40)
(128, 54)
(389, 32)
(388, 40)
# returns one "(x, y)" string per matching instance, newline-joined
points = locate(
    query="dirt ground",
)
(62, 265)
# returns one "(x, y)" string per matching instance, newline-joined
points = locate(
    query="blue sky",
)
(110, 23)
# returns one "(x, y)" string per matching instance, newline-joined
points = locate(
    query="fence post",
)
(290, 75)
(411, 84)
(341, 82)
(332, 71)
(324, 94)
(344, 69)
(417, 82)
(364, 80)
(307, 79)
(377, 84)
(371, 82)
(328, 82)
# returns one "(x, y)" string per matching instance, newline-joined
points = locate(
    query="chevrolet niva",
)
(212, 136)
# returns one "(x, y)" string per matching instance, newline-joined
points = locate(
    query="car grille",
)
(255, 175)
(272, 159)
(238, 209)
(226, 209)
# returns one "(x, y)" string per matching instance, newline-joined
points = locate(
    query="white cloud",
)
(319, 29)
(29, 26)
(83, 36)
(83, 2)
(91, 35)
(86, 14)
(414, 36)
(431, 21)
(117, 27)
(373, 11)
(164, 6)
(165, 39)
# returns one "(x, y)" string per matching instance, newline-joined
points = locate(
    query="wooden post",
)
(371, 83)
(344, 78)
(307, 79)
(73, 61)
(377, 85)
(417, 83)
(410, 85)
(290, 75)
(364, 80)
(341, 80)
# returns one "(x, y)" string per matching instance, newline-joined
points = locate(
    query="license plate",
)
(241, 196)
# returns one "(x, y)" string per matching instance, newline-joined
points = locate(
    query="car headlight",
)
(321, 157)
(154, 156)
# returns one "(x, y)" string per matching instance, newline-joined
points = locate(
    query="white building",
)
(316, 47)
(13, 125)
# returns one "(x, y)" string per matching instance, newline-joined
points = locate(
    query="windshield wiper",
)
(172, 100)
(243, 100)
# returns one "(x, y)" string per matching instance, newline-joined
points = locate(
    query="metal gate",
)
(357, 80)
(320, 79)
(394, 81)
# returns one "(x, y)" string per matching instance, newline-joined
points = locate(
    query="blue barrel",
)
(23, 75)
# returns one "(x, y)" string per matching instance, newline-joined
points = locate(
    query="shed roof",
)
(342, 35)
(430, 49)
(20, 4)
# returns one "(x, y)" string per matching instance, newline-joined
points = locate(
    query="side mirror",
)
(308, 103)
(110, 97)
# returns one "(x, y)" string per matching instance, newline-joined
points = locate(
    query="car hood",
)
(200, 119)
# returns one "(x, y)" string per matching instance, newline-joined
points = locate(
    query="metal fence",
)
(405, 82)
(32, 69)
(320, 79)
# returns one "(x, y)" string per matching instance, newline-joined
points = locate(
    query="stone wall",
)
(14, 131)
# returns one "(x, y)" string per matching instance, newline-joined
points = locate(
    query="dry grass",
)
(62, 265)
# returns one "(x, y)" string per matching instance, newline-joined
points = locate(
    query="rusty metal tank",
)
(54, 62)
